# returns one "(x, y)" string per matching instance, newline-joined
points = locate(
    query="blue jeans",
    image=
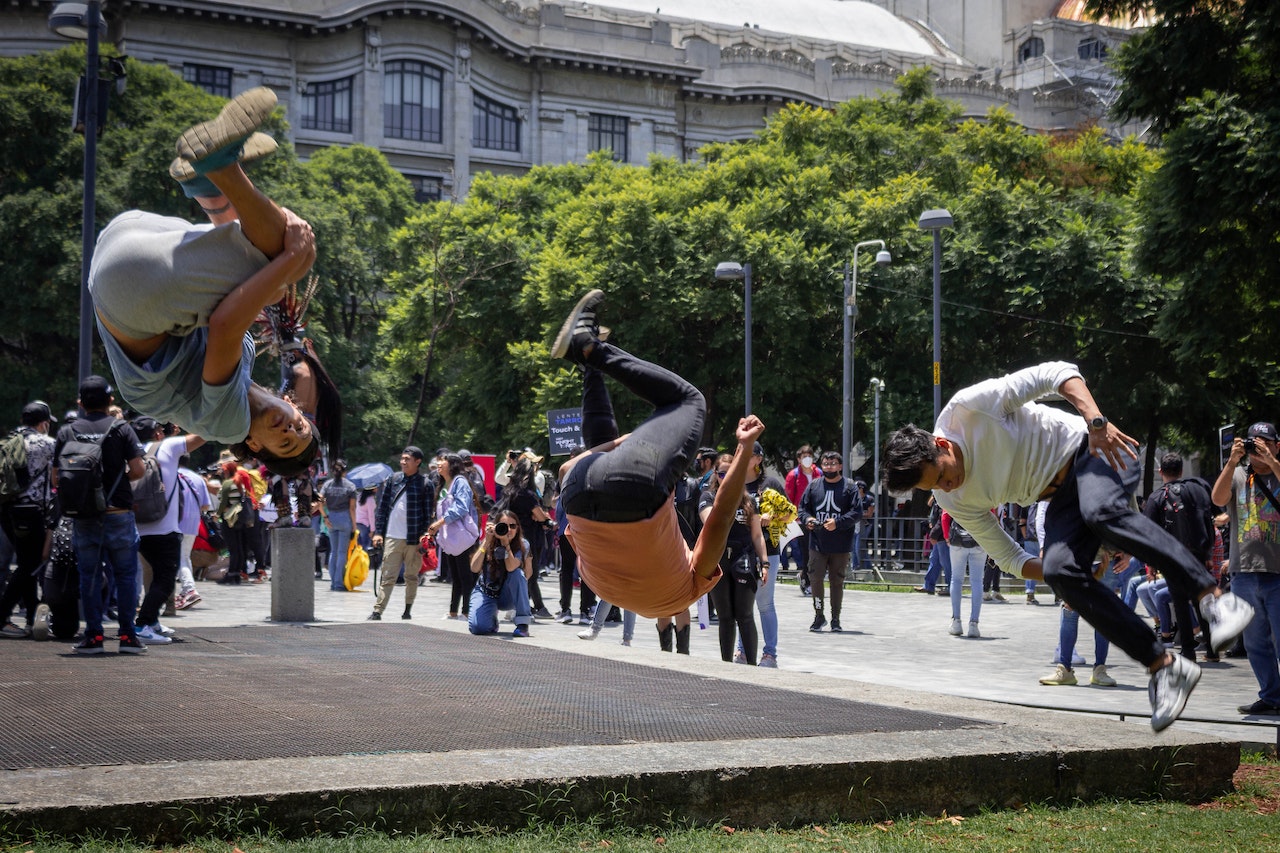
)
(1262, 637)
(112, 539)
(340, 530)
(768, 613)
(939, 564)
(483, 618)
(1069, 631)
(975, 560)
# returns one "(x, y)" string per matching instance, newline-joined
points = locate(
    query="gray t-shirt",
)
(157, 274)
(1255, 524)
(338, 493)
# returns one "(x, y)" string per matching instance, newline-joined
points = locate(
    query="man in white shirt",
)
(993, 443)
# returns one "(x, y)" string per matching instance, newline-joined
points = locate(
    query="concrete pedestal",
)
(293, 577)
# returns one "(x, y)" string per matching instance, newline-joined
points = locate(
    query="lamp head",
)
(729, 271)
(883, 258)
(71, 21)
(934, 220)
(877, 384)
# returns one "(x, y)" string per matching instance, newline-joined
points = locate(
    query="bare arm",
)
(1222, 486)
(1109, 441)
(240, 308)
(715, 530)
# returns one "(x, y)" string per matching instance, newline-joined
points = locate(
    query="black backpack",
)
(80, 492)
(1184, 513)
(150, 501)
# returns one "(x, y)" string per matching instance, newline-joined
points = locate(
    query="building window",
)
(1092, 48)
(494, 125)
(1031, 48)
(610, 132)
(411, 94)
(212, 78)
(426, 189)
(327, 106)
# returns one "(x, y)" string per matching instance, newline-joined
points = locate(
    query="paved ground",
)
(416, 723)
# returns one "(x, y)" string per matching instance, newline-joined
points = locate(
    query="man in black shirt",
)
(829, 511)
(112, 536)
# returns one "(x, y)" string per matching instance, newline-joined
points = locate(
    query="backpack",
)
(1183, 516)
(80, 491)
(14, 476)
(149, 500)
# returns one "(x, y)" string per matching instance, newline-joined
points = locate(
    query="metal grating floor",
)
(299, 691)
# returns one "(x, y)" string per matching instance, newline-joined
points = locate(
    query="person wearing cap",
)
(1250, 493)
(403, 514)
(619, 495)
(110, 538)
(160, 541)
(26, 523)
(175, 302)
(993, 443)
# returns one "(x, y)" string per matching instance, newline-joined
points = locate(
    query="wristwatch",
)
(1099, 422)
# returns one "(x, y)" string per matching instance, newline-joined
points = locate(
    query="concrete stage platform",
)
(410, 725)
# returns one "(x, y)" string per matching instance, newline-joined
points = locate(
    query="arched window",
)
(494, 125)
(1031, 48)
(411, 97)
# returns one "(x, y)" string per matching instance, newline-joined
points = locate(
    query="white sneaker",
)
(957, 630)
(1169, 690)
(151, 637)
(588, 633)
(564, 617)
(1062, 677)
(1228, 615)
(161, 629)
(43, 623)
(974, 633)
(1101, 678)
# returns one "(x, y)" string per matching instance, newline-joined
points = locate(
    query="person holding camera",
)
(502, 565)
(994, 443)
(1249, 494)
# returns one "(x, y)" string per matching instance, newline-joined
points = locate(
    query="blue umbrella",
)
(369, 475)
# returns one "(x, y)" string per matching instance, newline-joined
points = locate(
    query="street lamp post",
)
(935, 221)
(883, 258)
(84, 21)
(734, 271)
(877, 385)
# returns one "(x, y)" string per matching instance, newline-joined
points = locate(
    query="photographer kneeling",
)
(504, 566)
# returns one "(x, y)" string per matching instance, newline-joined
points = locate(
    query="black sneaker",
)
(89, 646)
(375, 616)
(406, 614)
(835, 626)
(818, 621)
(131, 645)
(580, 329)
(1260, 708)
(542, 613)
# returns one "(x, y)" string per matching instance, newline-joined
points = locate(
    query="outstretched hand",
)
(749, 429)
(1113, 445)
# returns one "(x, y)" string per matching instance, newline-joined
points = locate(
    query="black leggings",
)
(461, 582)
(735, 601)
(569, 568)
(632, 482)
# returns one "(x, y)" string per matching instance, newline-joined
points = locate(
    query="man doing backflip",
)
(619, 494)
(993, 443)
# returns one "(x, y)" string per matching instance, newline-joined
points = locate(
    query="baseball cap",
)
(1262, 429)
(145, 426)
(35, 412)
(464, 455)
(414, 451)
(95, 391)
(758, 450)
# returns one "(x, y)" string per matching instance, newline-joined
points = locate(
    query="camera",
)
(1250, 446)
(501, 529)
(513, 455)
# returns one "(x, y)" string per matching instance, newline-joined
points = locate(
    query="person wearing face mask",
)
(829, 510)
(798, 479)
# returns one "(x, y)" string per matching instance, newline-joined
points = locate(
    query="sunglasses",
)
(721, 474)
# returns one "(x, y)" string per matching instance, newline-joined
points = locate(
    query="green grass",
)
(1232, 823)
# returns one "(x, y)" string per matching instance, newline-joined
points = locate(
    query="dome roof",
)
(1074, 10)
(847, 21)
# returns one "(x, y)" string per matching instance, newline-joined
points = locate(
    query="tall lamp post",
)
(734, 271)
(883, 258)
(84, 21)
(877, 385)
(935, 221)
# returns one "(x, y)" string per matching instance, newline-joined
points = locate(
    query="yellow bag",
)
(357, 565)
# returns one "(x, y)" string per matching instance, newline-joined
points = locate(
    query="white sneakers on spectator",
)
(1228, 615)
(149, 635)
(957, 630)
(589, 633)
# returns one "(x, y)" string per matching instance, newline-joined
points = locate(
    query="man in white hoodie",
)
(993, 443)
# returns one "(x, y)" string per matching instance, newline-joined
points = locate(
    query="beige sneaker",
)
(1101, 678)
(257, 146)
(216, 143)
(1062, 677)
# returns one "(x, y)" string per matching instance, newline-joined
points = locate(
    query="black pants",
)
(735, 601)
(24, 525)
(237, 551)
(569, 568)
(462, 581)
(632, 482)
(164, 552)
(1094, 505)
